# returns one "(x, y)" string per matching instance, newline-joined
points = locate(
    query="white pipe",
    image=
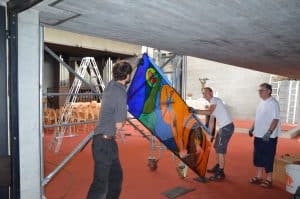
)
(289, 102)
(295, 102)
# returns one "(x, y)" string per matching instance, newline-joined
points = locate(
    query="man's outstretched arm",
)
(209, 111)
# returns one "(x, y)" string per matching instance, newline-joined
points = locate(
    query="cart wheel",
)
(152, 164)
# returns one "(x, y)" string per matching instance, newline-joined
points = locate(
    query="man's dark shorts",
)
(223, 137)
(264, 153)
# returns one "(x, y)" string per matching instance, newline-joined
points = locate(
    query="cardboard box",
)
(279, 174)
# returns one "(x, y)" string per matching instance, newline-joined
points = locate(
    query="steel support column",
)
(13, 103)
(5, 173)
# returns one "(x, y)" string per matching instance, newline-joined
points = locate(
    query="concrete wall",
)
(236, 86)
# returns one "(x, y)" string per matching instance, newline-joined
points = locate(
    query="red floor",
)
(140, 183)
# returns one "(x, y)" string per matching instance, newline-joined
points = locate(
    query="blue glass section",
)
(137, 91)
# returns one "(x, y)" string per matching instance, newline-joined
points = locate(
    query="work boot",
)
(219, 175)
(214, 169)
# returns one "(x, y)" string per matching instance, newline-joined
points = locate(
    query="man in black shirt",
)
(108, 175)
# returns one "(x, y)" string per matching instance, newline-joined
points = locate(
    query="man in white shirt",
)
(218, 110)
(265, 129)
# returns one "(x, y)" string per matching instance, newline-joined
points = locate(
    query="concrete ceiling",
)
(257, 34)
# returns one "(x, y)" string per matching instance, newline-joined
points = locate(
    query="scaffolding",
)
(153, 143)
(292, 102)
(96, 81)
(286, 91)
(275, 82)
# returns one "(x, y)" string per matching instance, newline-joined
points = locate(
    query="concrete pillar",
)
(28, 88)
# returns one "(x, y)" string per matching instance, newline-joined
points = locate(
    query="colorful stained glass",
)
(157, 105)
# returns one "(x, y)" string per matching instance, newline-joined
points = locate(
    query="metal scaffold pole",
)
(78, 148)
(97, 81)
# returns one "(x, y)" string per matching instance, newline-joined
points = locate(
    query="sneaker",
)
(214, 169)
(219, 176)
